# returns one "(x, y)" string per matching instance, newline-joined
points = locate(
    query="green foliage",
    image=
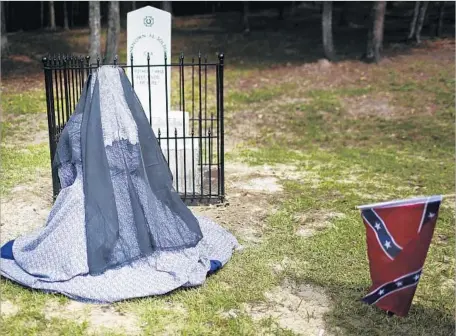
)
(30, 102)
(21, 165)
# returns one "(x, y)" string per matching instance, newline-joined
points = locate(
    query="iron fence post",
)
(51, 123)
(222, 128)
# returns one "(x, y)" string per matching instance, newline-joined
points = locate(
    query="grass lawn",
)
(341, 136)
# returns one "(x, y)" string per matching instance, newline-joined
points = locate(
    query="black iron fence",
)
(191, 137)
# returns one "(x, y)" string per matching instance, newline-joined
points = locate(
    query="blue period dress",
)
(118, 229)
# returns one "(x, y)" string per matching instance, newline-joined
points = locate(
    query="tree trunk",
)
(112, 38)
(379, 24)
(375, 31)
(343, 20)
(167, 6)
(6, 11)
(326, 22)
(414, 19)
(440, 22)
(3, 18)
(65, 16)
(51, 16)
(370, 34)
(246, 16)
(4, 38)
(95, 27)
(419, 25)
(71, 15)
(41, 14)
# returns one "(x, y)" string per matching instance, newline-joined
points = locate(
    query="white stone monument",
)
(149, 34)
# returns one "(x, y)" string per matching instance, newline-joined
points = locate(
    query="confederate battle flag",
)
(398, 237)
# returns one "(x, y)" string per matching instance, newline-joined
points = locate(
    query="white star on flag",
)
(399, 283)
(431, 215)
(387, 244)
(381, 291)
(377, 226)
(416, 277)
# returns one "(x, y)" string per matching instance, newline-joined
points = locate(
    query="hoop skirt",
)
(118, 229)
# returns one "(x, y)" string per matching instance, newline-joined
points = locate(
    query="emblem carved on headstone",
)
(148, 21)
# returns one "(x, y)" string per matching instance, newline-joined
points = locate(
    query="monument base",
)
(183, 155)
(184, 163)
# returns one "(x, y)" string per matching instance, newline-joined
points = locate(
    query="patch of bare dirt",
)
(324, 64)
(300, 308)
(7, 308)
(98, 317)
(312, 222)
(376, 106)
(21, 58)
(239, 171)
(31, 130)
(367, 105)
(266, 178)
(260, 184)
(26, 208)
(242, 126)
(244, 215)
(232, 313)
(251, 194)
(285, 264)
